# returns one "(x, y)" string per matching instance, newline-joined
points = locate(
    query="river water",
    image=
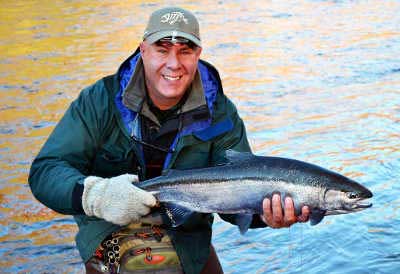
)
(315, 80)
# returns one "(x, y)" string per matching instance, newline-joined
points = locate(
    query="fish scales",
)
(234, 196)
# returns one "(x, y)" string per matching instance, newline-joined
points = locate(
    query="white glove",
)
(116, 199)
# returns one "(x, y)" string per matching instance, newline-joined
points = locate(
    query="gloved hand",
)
(116, 199)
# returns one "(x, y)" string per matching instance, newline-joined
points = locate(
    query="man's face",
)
(169, 70)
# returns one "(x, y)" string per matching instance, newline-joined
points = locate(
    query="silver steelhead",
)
(239, 187)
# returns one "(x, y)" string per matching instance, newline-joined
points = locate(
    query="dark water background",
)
(314, 80)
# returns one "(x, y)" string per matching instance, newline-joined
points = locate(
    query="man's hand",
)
(116, 199)
(276, 217)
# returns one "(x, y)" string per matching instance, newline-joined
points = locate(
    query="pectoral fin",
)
(243, 221)
(316, 216)
(177, 214)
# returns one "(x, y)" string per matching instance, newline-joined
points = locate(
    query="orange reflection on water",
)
(289, 69)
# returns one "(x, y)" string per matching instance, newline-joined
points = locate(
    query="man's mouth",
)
(171, 78)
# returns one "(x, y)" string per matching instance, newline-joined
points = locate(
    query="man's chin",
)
(172, 92)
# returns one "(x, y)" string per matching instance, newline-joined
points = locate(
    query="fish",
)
(240, 185)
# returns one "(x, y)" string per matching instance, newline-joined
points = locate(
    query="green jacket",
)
(93, 138)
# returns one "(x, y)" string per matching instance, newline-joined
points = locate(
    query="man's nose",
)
(173, 61)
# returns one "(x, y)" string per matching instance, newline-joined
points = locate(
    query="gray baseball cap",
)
(172, 22)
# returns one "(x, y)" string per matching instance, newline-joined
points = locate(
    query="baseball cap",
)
(172, 22)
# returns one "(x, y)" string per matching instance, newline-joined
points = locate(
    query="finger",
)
(147, 198)
(144, 210)
(290, 217)
(267, 212)
(131, 177)
(305, 214)
(277, 215)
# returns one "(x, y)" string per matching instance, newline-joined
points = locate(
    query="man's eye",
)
(186, 52)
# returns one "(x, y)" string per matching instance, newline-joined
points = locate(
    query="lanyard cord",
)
(134, 138)
(166, 150)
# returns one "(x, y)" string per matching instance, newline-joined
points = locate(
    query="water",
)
(313, 80)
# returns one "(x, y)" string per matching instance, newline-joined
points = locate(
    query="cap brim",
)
(152, 38)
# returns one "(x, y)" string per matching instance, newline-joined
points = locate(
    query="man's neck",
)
(164, 104)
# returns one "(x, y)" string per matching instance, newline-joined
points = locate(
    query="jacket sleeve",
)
(235, 139)
(65, 159)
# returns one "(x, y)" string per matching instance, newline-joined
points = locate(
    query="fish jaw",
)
(350, 208)
(342, 202)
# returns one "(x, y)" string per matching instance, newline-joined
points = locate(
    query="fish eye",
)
(352, 195)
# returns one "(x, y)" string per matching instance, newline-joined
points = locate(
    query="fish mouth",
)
(362, 205)
(355, 206)
(358, 205)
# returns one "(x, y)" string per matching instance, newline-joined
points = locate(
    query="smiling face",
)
(169, 70)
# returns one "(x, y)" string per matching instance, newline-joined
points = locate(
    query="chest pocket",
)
(194, 156)
(111, 161)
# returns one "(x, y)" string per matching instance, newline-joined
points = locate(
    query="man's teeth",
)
(171, 78)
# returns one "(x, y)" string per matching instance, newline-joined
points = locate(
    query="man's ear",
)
(142, 47)
(199, 49)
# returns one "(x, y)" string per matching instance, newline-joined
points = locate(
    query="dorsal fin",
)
(238, 157)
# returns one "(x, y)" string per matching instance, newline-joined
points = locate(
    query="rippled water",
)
(314, 80)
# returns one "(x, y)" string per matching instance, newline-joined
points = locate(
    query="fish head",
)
(346, 198)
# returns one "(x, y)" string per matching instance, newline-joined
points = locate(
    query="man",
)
(163, 109)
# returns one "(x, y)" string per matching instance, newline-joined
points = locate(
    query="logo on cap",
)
(173, 17)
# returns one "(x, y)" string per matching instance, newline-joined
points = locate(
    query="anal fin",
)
(244, 221)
